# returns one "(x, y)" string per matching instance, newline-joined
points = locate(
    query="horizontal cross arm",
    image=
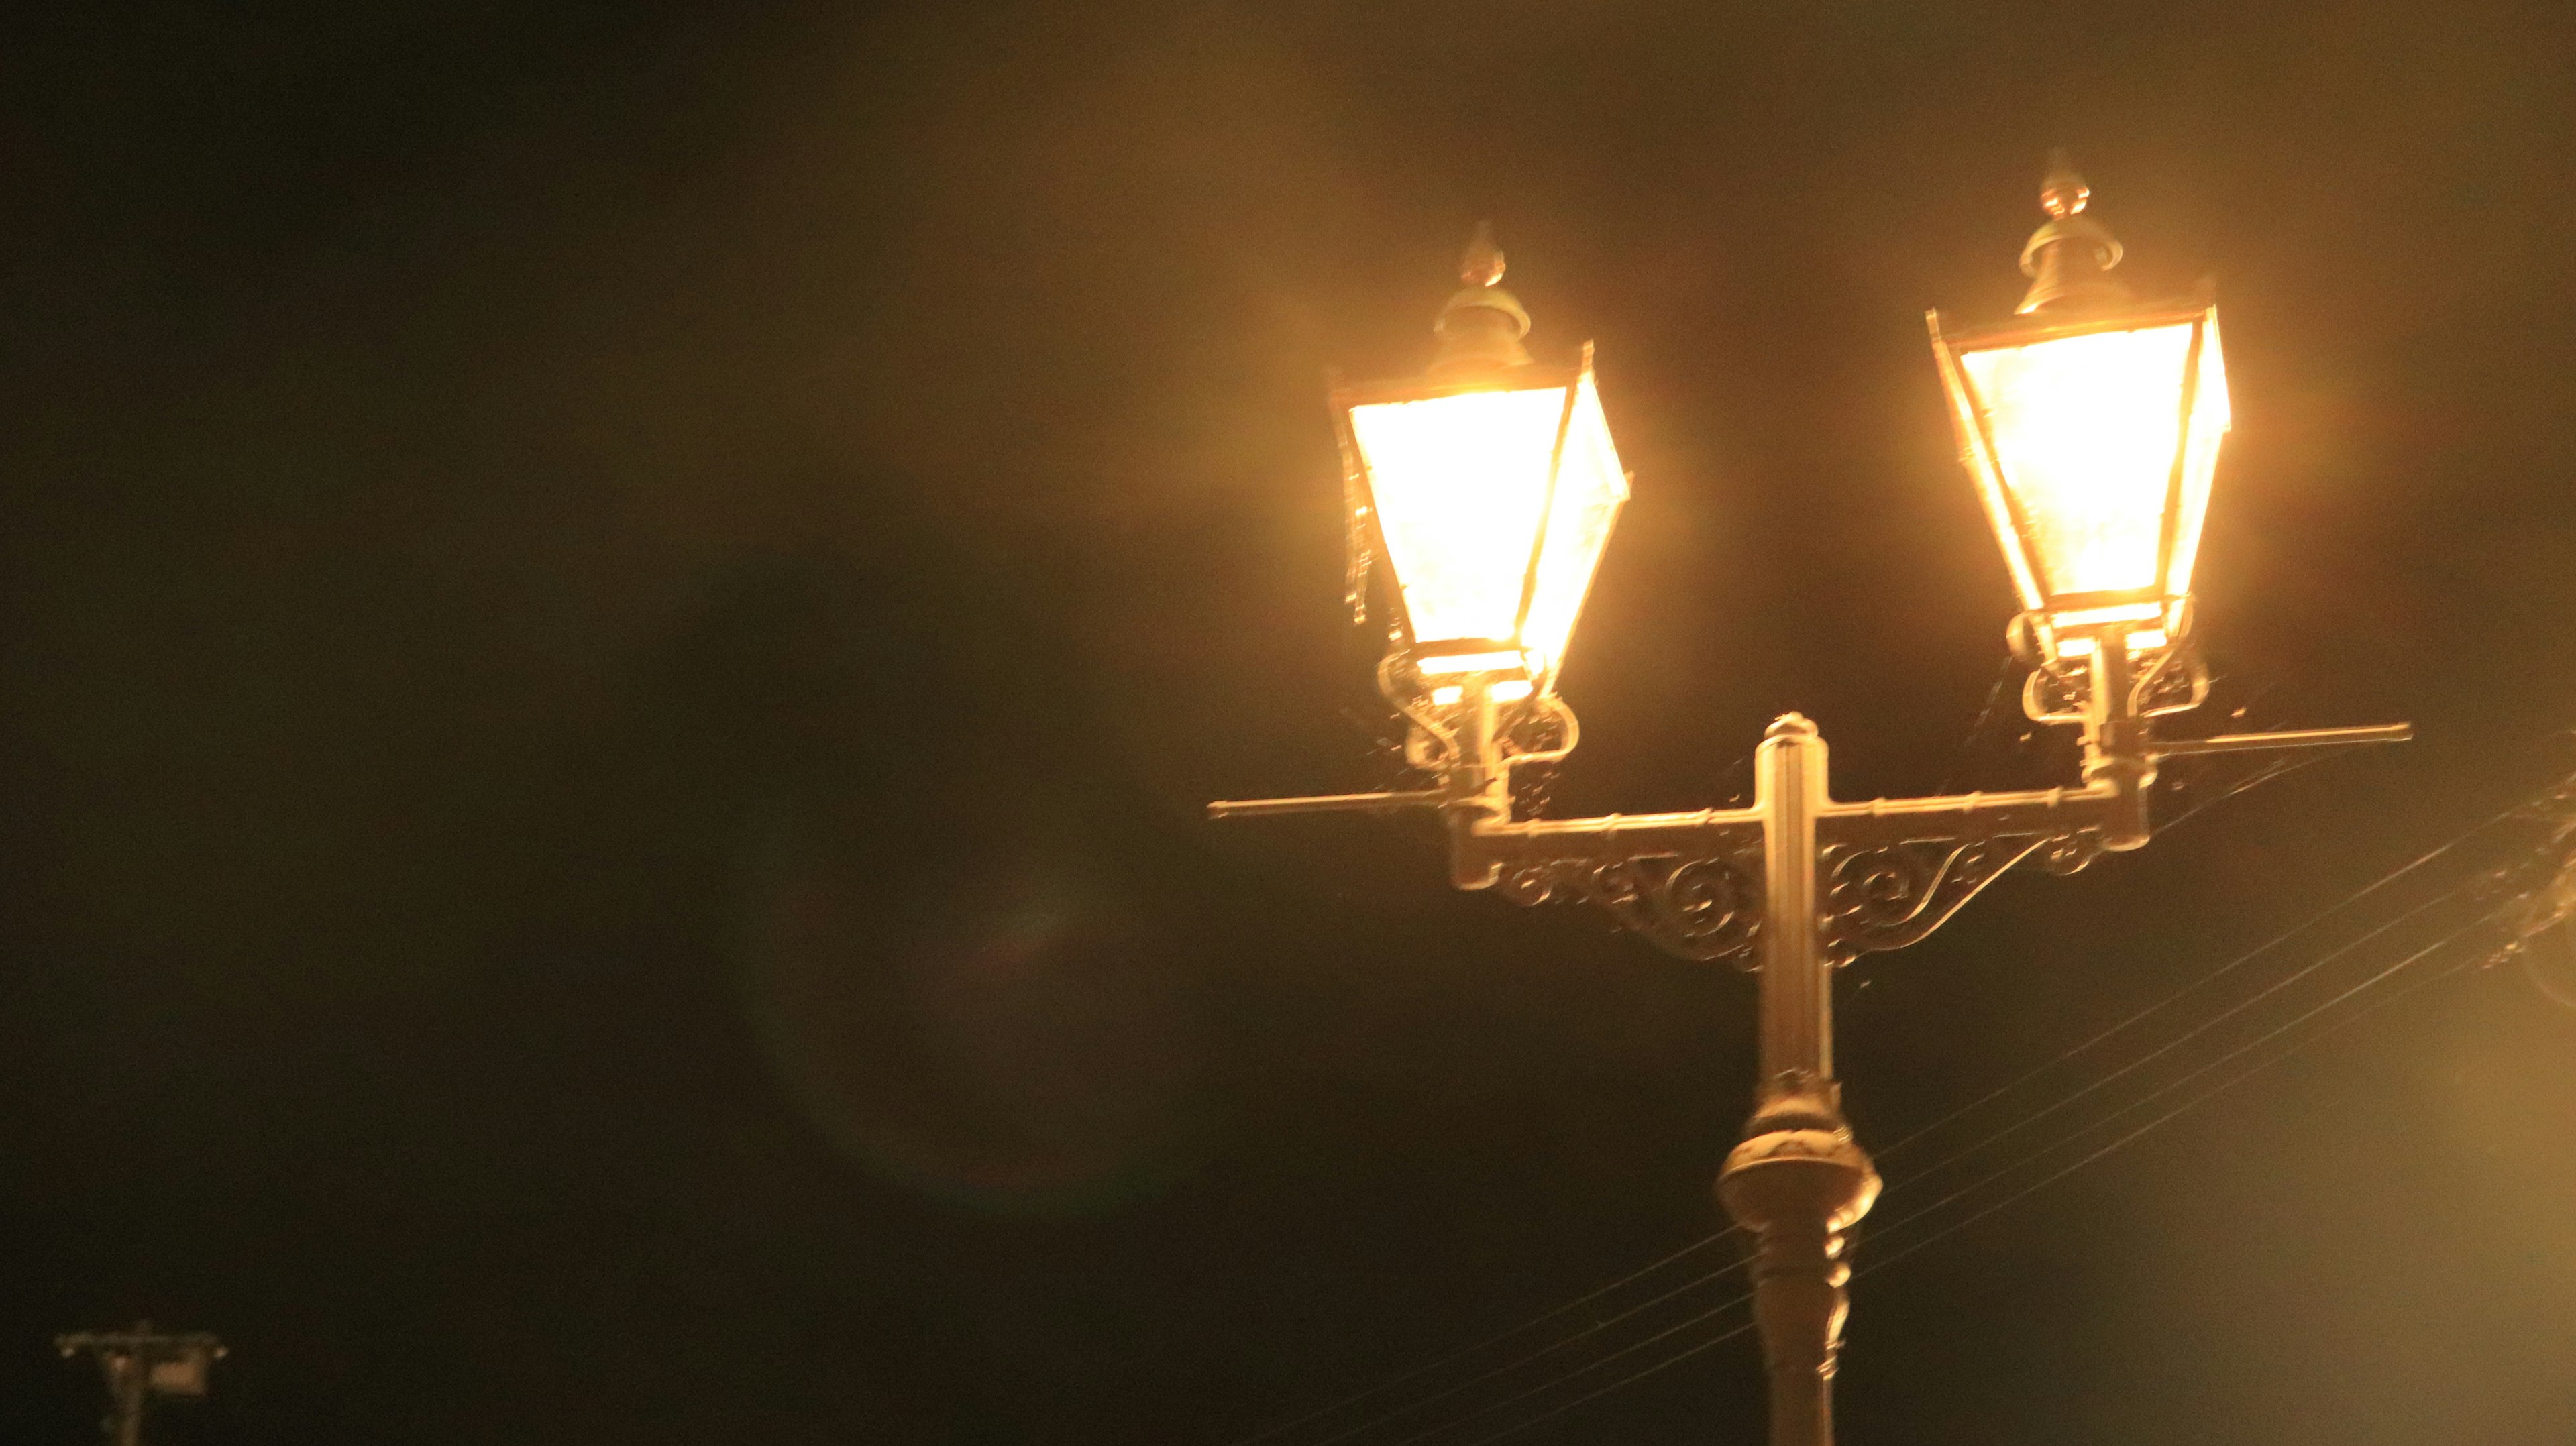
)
(1615, 838)
(1327, 803)
(2042, 811)
(2286, 738)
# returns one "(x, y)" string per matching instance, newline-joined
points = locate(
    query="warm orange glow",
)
(1505, 690)
(2143, 640)
(1492, 529)
(2086, 430)
(1461, 488)
(1472, 663)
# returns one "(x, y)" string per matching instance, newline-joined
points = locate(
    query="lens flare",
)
(1009, 1038)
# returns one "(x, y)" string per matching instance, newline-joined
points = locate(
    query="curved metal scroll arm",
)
(1887, 896)
(1697, 908)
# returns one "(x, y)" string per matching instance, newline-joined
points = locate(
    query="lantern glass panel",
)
(2085, 431)
(2210, 419)
(1590, 488)
(1460, 484)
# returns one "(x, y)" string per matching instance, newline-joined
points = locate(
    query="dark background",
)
(613, 619)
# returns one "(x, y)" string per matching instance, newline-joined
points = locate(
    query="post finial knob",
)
(2062, 193)
(1482, 265)
(2070, 257)
(1481, 328)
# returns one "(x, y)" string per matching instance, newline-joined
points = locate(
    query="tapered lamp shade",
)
(1491, 507)
(2093, 446)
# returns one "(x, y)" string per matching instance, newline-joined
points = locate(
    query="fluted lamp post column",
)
(1489, 488)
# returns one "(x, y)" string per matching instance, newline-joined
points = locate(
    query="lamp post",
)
(2091, 428)
(140, 1364)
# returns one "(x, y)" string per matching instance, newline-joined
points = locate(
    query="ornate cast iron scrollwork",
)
(1887, 896)
(1697, 908)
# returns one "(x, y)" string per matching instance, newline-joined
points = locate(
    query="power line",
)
(1945, 1232)
(1620, 1384)
(2268, 1036)
(2559, 790)
(2206, 1025)
(2256, 779)
(2196, 1100)
(2171, 1086)
(1508, 1367)
(2004, 675)
(1463, 1352)
(1710, 1314)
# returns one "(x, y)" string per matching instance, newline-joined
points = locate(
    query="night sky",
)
(614, 622)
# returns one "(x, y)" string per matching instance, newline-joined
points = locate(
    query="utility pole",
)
(140, 1364)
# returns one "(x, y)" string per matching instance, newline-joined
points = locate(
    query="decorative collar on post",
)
(2070, 257)
(1481, 328)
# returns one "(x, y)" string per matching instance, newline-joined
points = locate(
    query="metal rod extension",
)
(1327, 803)
(2287, 738)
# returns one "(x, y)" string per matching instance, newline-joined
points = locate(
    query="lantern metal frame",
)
(1369, 537)
(2053, 610)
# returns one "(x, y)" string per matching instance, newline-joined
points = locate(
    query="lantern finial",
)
(1482, 264)
(2063, 192)
(2069, 257)
(1481, 328)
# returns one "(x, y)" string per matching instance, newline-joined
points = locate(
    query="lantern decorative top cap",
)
(2069, 258)
(1481, 328)
(1790, 725)
(2063, 192)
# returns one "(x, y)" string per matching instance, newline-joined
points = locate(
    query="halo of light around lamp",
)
(1491, 502)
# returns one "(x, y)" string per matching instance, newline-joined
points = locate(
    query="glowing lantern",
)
(2092, 428)
(1490, 487)
(182, 1373)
